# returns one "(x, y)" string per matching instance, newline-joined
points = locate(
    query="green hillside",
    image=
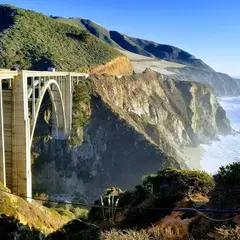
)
(34, 41)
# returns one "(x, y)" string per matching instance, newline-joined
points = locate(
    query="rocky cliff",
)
(126, 128)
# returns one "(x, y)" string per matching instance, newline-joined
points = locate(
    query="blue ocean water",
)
(227, 150)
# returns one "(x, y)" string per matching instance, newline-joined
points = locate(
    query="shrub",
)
(227, 190)
(80, 213)
(174, 183)
(224, 195)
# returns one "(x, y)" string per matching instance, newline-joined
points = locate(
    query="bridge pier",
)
(2, 142)
(21, 159)
(67, 96)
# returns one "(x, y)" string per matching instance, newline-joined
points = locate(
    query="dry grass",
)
(225, 233)
(118, 66)
(154, 233)
(34, 215)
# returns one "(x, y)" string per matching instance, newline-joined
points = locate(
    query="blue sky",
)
(208, 29)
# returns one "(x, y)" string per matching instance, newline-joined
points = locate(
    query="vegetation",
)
(153, 233)
(95, 29)
(167, 188)
(34, 41)
(81, 109)
(162, 190)
(179, 183)
(33, 214)
(226, 193)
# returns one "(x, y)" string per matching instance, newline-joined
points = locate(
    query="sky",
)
(208, 29)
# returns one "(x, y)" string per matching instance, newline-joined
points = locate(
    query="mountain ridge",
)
(137, 45)
(194, 69)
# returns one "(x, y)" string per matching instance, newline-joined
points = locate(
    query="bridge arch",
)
(58, 116)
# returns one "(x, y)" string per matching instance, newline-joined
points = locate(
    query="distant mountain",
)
(221, 83)
(192, 68)
(136, 45)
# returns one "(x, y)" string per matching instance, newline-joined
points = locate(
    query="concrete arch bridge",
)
(21, 95)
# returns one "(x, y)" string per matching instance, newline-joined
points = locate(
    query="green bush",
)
(178, 183)
(80, 213)
(227, 190)
(162, 190)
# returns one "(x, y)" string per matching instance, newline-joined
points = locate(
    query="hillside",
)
(34, 215)
(34, 41)
(136, 45)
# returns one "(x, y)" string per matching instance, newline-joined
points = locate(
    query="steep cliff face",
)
(221, 84)
(112, 153)
(171, 113)
(134, 125)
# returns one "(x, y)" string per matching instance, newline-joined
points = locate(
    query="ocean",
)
(227, 150)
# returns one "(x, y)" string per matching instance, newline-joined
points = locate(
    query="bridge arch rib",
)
(58, 116)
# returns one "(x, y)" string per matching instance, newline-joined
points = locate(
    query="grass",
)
(34, 215)
(34, 41)
(153, 233)
(225, 233)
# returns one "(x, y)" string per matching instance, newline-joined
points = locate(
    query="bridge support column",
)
(22, 176)
(68, 92)
(2, 148)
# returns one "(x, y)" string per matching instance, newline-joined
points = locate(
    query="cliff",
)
(124, 128)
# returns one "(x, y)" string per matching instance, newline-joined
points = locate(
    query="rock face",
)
(137, 124)
(222, 84)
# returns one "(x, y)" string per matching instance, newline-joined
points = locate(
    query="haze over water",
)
(226, 150)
